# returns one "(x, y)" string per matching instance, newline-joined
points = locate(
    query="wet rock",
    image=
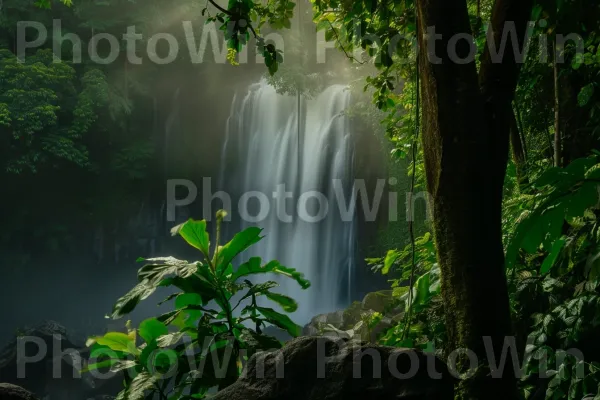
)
(319, 368)
(14, 392)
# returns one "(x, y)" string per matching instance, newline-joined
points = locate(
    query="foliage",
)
(210, 322)
(42, 116)
(551, 257)
(421, 325)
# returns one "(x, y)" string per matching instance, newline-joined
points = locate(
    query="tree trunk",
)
(465, 142)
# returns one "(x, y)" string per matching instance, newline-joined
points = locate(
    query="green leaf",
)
(287, 303)
(585, 95)
(138, 387)
(253, 267)
(422, 285)
(187, 317)
(194, 233)
(151, 328)
(282, 321)
(238, 244)
(390, 258)
(550, 260)
(585, 197)
(116, 341)
(152, 276)
(532, 240)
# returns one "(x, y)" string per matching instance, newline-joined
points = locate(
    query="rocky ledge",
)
(319, 368)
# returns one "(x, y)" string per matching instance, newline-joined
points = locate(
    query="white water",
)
(265, 147)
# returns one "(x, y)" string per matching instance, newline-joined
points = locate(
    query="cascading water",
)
(274, 145)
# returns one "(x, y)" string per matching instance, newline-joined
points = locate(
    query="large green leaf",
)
(194, 232)
(282, 321)
(422, 289)
(152, 276)
(151, 329)
(194, 284)
(187, 317)
(253, 267)
(390, 258)
(238, 244)
(551, 225)
(287, 303)
(159, 267)
(585, 197)
(129, 301)
(550, 260)
(117, 341)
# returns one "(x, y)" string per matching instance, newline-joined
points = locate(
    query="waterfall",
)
(267, 149)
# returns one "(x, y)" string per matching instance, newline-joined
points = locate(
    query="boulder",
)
(355, 320)
(14, 392)
(378, 301)
(319, 368)
(47, 361)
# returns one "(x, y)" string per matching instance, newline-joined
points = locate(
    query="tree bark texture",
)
(466, 140)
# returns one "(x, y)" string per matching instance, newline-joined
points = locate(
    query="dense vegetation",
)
(507, 150)
(218, 338)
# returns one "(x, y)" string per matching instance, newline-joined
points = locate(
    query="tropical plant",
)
(552, 262)
(415, 286)
(216, 317)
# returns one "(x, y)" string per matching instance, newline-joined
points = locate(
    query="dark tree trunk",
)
(465, 142)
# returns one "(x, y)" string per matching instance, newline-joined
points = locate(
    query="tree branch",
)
(218, 7)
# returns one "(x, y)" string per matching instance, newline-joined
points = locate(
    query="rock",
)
(14, 392)
(354, 321)
(47, 361)
(319, 368)
(377, 301)
(317, 323)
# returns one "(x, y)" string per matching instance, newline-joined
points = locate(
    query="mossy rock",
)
(377, 301)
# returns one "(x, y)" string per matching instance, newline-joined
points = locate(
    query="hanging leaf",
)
(253, 267)
(287, 303)
(422, 289)
(282, 321)
(390, 258)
